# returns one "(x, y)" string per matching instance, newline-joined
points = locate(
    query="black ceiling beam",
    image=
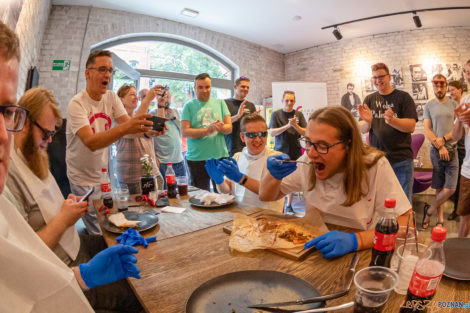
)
(396, 13)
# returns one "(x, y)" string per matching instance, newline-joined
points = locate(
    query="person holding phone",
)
(131, 148)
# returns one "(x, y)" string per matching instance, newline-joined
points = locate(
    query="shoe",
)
(289, 210)
(440, 223)
(425, 225)
(452, 216)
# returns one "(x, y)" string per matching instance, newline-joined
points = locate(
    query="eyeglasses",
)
(252, 135)
(46, 133)
(320, 147)
(439, 83)
(103, 69)
(379, 77)
(14, 117)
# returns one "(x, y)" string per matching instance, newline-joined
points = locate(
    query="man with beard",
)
(389, 115)
(438, 125)
(33, 279)
(238, 106)
(42, 205)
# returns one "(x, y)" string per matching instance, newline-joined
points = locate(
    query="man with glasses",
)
(35, 279)
(238, 107)
(243, 171)
(89, 132)
(438, 125)
(389, 115)
(286, 126)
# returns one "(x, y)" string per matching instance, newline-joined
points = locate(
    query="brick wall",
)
(71, 27)
(30, 29)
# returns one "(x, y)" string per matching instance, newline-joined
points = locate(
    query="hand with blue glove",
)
(214, 172)
(112, 264)
(334, 243)
(132, 237)
(230, 169)
(279, 169)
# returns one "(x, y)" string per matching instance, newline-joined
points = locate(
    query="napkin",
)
(131, 237)
(220, 198)
(120, 220)
(172, 209)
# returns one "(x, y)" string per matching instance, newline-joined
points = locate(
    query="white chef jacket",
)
(328, 195)
(32, 278)
(253, 167)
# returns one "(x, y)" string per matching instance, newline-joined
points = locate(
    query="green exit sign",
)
(61, 65)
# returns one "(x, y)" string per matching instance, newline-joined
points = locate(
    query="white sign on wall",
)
(309, 96)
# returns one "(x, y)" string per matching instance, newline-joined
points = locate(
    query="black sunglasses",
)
(46, 133)
(255, 134)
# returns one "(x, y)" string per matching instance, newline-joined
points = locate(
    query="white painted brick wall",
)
(67, 30)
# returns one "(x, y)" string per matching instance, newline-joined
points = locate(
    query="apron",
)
(49, 198)
(253, 166)
(32, 277)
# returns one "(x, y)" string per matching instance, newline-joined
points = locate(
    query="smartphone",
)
(158, 123)
(87, 195)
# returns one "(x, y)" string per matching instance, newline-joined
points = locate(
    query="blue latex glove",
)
(334, 243)
(131, 237)
(112, 264)
(279, 169)
(230, 169)
(214, 173)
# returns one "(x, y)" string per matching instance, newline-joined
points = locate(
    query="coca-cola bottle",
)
(106, 189)
(170, 179)
(385, 236)
(427, 274)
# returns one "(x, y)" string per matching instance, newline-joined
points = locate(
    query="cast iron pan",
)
(237, 290)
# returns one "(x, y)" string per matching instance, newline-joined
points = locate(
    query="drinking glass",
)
(182, 182)
(122, 197)
(400, 240)
(408, 261)
(374, 285)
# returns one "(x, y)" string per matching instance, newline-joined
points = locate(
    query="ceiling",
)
(272, 23)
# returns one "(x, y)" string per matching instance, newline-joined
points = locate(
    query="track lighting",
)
(337, 33)
(417, 20)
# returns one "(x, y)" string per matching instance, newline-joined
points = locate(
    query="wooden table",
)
(196, 250)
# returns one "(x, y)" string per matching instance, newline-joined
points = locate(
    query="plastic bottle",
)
(170, 179)
(106, 189)
(427, 274)
(385, 236)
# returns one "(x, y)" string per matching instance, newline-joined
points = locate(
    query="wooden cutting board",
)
(294, 253)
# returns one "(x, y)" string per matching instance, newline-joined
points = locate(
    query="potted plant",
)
(148, 180)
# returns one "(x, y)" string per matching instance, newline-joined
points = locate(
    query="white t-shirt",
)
(253, 167)
(465, 172)
(32, 278)
(328, 195)
(83, 165)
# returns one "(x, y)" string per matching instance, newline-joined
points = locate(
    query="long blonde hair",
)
(355, 163)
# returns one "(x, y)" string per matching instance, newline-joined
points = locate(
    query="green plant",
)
(147, 165)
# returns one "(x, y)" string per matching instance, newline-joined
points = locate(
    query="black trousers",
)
(199, 176)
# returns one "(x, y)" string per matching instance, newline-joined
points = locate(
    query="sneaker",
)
(289, 210)
(452, 216)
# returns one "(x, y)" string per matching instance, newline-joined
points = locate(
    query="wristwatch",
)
(243, 181)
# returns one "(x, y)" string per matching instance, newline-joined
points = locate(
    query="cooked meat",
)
(293, 236)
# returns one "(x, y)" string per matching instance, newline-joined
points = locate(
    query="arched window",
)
(149, 59)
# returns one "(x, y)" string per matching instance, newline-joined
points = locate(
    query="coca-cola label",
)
(170, 179)
(423, 286)
(106, 187)
(384, 242)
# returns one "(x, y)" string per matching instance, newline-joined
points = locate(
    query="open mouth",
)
(319, 166)
(105, 83)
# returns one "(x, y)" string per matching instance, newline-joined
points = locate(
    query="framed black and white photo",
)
(454, 72)
(396, 78)
(420, 91)
(350, 98)
(418, 74)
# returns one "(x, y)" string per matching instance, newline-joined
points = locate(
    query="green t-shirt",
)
(201, 115)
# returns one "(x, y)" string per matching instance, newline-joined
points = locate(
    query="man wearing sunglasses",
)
(438, 125)
(36, 279)
(238, 107)
(243, 171)
(389, 116)
(89, 130)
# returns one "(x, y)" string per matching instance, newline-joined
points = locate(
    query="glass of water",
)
(122, 194)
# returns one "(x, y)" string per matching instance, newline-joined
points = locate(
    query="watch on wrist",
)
(146, 136)
(243, 181)
(444, 138)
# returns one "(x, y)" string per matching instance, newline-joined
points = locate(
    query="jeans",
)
(404, 171)
(89, 219)
(179, 168)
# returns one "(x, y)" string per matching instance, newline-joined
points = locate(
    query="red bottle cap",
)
(390, 203)
(169, 164)
(439, 233)
(104, 170)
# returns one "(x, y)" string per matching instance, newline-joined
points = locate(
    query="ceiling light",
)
(417, 20)
(337, 33)
(297, 18)
(189, 12)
